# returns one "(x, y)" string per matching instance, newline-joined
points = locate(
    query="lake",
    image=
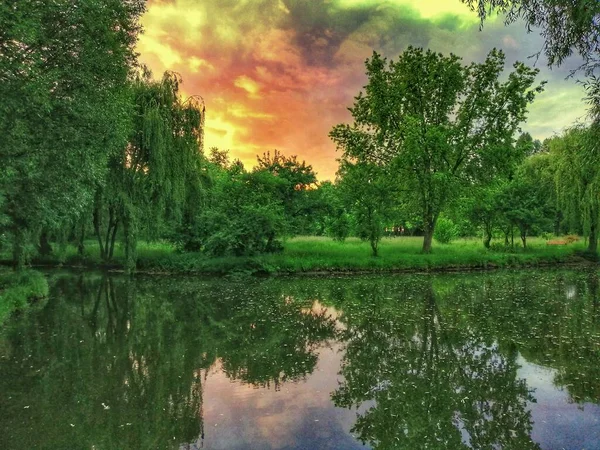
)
(501, 360)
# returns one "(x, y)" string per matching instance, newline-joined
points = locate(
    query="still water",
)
(505, 360)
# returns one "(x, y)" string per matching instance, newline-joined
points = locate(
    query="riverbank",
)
(320, 255)
(19, 290)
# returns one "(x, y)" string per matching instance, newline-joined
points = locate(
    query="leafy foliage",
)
(157, 174)
(566, 26)
(368, 192)
(576, 159)
(437, 124)
(244, 214)
(297, 182)
(446, 231)
(64, 69)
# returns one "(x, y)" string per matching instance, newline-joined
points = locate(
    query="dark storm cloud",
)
(322, 26)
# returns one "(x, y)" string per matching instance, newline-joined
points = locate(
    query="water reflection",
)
(504, 360)
(435, 384)
(115, 363)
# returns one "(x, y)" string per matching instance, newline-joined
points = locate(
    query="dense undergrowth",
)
(20, 289)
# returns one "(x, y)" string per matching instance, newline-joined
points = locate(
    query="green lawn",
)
(315, 253)
(310, 254)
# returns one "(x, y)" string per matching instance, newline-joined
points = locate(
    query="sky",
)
(279, 74)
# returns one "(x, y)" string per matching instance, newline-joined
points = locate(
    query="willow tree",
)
(156, 175)
(437, 124)
(567, 26)
(576, 156)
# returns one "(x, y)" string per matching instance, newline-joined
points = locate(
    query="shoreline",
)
(258, 268)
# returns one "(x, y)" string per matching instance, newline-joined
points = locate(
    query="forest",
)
(103, 157)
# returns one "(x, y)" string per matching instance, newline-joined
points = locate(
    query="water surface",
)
(487, 361)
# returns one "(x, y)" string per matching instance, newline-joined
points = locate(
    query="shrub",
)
(18, 288)
(500, 247)
(445, 231)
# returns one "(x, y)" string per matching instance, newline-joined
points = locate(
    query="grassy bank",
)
(19, 290)
(320, 254)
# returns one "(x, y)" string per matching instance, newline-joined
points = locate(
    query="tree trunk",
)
(593, 238)
(80, 243)
(111, 224)
(429, 227)
(112, 240)
(374, 247)
(270, 240)
(44, 248)
(524, 239)
(487, 238)
(129, 230)
(487, 235)
(557, 220)
(98, 234)
(427, 239)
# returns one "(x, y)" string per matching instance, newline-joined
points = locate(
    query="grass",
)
(404, 253)
(19, 289)
(321, 254)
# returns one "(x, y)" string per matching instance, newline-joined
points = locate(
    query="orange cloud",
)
(278, 74)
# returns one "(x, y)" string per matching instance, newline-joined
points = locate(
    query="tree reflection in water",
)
(431, 361)
(434, 384)
(115, 364)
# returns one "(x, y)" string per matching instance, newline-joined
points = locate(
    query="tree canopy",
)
(437, 123)
(64, 76)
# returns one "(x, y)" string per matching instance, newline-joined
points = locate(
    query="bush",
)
(19, 288)
(445, 231)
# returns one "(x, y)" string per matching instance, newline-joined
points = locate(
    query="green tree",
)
(336, 220)
(577, 159)
(298, 180)
(157, 171)
(437, 124)
(369, 195)
(481, 207)
(244, 213)
(527, 146)
(64, 73)
(523, 206)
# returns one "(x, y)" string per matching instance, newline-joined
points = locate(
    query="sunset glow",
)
(278, 74)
